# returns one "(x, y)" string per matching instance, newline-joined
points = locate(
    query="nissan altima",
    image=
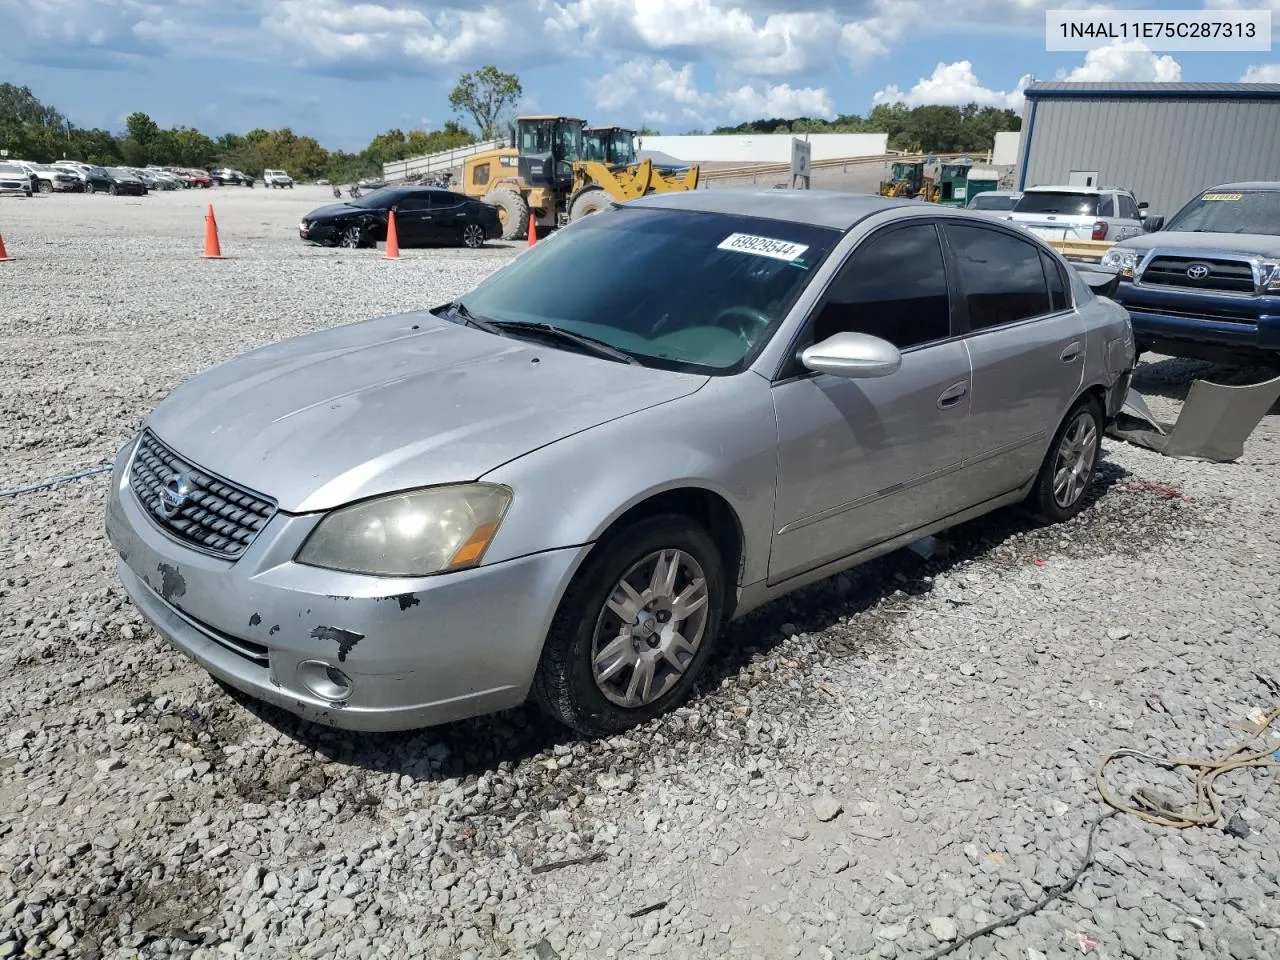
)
(425, 216)
(564, 483)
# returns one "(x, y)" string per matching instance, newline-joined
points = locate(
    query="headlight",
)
(1271, 275)
(1121, 260)
(411, 534)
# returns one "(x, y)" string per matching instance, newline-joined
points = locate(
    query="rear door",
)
(414, 219)
(448, 214)
(1027, 345)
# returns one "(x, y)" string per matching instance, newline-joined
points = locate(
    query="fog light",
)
(324, 680)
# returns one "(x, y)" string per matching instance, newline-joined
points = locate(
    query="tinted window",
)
(413, 202)
(480, 175)
(442, 200)
(992, 201)
(1106, 206)
(1057, 282)
(676, 289)
(1001, 278)
(1063, 203)
(1231, 211)
(1129, 209)
(894, 287)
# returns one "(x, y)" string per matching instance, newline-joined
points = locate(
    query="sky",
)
(345, 71)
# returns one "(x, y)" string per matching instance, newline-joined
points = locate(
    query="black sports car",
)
(425, 216)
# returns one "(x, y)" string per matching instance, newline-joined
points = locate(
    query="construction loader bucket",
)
(1213, 425)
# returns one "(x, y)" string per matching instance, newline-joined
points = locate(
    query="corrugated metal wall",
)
(1165, 150)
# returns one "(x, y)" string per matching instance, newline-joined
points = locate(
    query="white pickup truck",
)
(277, 178)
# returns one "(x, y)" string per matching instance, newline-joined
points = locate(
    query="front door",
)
(862, 461)
(1027, 344)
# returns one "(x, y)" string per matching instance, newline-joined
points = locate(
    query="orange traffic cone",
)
(212, 249)
(393, 241)
(533, 230)
(4, 256)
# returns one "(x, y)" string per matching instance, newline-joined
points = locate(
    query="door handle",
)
(953, 395)
(1071, 352)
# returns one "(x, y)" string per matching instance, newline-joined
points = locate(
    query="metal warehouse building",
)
(1164, 141)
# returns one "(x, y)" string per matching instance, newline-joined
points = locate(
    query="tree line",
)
(929, 129)
(487, 97)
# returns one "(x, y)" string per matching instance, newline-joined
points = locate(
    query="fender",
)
(568, 493)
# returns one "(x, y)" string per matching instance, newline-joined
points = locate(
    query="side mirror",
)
(1143, 205)
(856, 356)
(1151, 224)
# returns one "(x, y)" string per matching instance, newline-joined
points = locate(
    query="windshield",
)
(378, 200)
(676, 289)
(593, 147)
(1250, 211)
(1064, 203)
(535, 137)
(119, 173)
(988, 201)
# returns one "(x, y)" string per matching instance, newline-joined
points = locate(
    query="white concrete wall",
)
(1006, 149)
(766, 148)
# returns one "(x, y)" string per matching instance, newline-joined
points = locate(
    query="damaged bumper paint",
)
(416, 652)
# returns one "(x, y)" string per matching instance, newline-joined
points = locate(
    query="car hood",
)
(394, 403)
(329, 211)
(1250, 244)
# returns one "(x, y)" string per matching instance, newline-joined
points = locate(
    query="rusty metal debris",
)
(1213, 425)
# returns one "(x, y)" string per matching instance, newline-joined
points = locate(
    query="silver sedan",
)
(565, 483)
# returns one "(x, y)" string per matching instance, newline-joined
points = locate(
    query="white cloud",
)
(670, 95)
(1125, 60)
(1266, 73)
(954, 84)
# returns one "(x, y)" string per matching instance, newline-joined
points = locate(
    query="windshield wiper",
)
(469, 319)
(590, 344)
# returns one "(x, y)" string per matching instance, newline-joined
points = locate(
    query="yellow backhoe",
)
(560, 171)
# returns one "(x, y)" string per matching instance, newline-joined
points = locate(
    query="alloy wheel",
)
(650, 628)
(351, 238)
(1077, 455)
(473, 235)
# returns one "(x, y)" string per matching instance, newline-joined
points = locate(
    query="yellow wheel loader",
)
(559, 172)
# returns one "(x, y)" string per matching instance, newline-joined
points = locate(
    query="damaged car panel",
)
(566, 491)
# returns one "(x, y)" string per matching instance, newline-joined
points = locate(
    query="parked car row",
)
(69, 176)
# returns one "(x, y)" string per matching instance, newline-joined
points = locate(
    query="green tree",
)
(488, 96)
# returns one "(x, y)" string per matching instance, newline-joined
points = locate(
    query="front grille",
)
(1224, 314)
(1231, 276)
(216, 516)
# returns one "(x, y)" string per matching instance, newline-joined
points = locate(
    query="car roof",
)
(817, 208)
(1249, 185)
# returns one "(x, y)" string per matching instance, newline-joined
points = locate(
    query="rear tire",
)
(473, 236)
(578, 682)
(1069, 467)
(590, 200)
(513, 211)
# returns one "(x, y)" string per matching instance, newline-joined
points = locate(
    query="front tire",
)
(46, 187)
(589, 201)
(635, 628)
(1070, 466)
(114, 190)
(352, 238)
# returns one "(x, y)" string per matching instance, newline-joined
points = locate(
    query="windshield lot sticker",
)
(763, 246)
(1222, 196)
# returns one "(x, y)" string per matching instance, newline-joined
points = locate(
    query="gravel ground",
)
(875, 765)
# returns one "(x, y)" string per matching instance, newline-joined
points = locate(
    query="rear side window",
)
(1062, 203)
(1000, 276)
(1106, 206)
(894, 287)
(1057, 282)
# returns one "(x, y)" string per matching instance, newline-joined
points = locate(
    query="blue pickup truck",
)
(1207, 283)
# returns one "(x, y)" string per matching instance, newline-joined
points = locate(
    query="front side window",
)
(1000, 276)
(894, 287)
(675, 289)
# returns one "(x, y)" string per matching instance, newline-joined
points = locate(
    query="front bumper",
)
(1163, 316)
(418, 652)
